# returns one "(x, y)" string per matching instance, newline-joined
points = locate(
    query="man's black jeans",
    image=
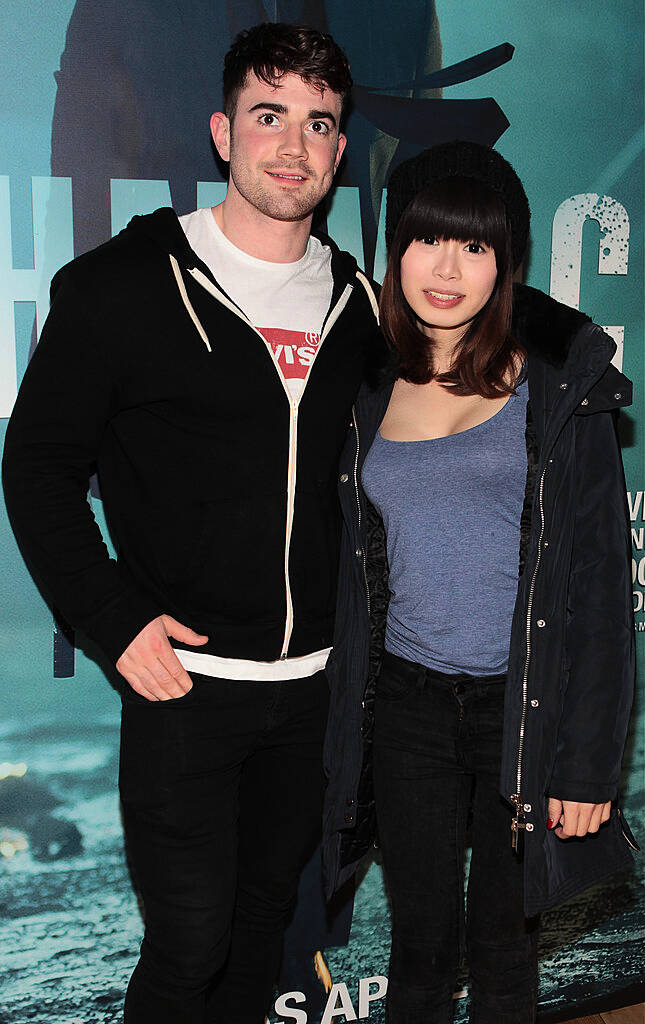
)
(437, 753)
(222, 801)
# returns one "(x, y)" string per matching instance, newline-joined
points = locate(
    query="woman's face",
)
(447, 283)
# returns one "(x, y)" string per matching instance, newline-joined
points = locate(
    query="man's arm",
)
(65, 402)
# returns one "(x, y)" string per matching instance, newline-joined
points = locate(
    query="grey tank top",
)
(451, 508)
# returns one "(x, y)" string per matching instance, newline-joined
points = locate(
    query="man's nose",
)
(293, 143)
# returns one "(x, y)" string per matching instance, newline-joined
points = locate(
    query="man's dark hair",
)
(274, 49)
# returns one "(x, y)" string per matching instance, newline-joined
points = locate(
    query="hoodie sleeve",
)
(53, 439)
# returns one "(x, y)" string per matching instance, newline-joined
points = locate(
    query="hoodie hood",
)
(164, 232)
(163, 229)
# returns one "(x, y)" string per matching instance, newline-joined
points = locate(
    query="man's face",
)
(283, 145)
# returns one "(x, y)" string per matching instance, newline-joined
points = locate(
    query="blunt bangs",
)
(463, 209)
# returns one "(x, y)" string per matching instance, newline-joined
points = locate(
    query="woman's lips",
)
(442, 300)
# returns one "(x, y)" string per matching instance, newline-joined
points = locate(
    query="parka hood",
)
(576, 350)
(544, 326)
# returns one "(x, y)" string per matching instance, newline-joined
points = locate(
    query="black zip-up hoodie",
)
(219, 491)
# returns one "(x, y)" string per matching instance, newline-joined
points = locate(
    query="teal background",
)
(573, 95)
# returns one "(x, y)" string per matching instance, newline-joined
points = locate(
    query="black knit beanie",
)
(463, 160)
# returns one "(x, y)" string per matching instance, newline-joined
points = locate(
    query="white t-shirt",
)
(287, 303)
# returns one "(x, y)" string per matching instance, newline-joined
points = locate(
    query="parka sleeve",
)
(52, 442)
(600, 626)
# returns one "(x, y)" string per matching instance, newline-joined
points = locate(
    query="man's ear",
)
(221, 132)
(342, 142)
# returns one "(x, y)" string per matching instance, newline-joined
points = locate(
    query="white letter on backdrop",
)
(345, 1008)
(566, 249)
(365, 997)
(299, 1016)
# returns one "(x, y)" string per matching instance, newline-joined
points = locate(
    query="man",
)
(208, 367)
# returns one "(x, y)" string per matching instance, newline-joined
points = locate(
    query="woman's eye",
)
(429, 240)
(475, 247)
(319, 127)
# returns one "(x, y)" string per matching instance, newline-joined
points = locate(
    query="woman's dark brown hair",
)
(274, 49)
(485, 358)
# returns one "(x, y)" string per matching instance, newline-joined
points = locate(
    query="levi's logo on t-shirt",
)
(294, 350)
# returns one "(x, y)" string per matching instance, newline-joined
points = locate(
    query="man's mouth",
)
(285, 176)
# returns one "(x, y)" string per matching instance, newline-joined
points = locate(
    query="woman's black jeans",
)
(437, 753)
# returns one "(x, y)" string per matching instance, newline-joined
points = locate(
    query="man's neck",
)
(277, 241)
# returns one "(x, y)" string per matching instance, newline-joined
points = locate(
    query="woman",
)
(484, 475)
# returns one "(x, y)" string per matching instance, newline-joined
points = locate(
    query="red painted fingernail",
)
(549, 823)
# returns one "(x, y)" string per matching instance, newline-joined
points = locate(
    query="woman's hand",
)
(568, 818)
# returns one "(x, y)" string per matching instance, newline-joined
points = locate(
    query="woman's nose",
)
(447, 263)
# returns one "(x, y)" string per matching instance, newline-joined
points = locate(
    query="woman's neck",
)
(444, 347)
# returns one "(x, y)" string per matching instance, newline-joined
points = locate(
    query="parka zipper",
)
(358, 506)
(518, 822)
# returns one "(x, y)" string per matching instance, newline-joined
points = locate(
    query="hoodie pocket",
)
(226, 557)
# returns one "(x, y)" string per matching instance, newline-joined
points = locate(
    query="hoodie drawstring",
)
(187, 303)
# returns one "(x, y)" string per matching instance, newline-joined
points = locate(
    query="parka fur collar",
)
(552, 335)
(544, 327)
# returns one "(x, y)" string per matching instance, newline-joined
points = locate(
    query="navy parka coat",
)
(571, 664)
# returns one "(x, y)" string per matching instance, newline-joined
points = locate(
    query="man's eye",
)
(268, 119)
(319, 127)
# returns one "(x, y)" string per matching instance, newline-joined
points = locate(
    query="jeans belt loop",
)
(422, 677)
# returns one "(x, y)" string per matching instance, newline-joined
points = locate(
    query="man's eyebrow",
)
(320, 114)
(279, 108)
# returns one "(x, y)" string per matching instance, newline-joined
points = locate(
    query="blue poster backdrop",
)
(104, 113)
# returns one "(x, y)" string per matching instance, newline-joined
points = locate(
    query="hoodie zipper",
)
(518, 821)
(291, 476)
(293, 424)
